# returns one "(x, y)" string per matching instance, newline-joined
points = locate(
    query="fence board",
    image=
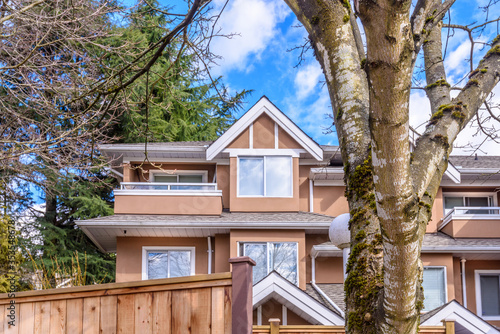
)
(58, 317)
(228, 304)
(74, 320)
(91, 312)
(218, 310)
(181, 312)
(143, 304)
(201, 301)
(42, 317)
(26, 319)
(125, 323)
(108, 314)
(162, 312)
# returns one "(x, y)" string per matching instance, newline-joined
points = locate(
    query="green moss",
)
(493, 51)
(426, 41)
(429, 19)
(363, 292)
(340, 112)
(436, 117)
(472, 82)
(363, 63)
(360, 235)
(438, 83)
(315, 20)
(443, 140)
(458, 115)
(424, 31)
(476, 71)
(483, 70)
(360, 183)
(346, 18)
(346, 4)
(427, 194)
(496, 39)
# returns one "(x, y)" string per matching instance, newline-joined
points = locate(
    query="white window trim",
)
(479, 308)
(445, 283)
(203, 173)
(264, 159)
(239, 243)
(145, 250)
(470, 194)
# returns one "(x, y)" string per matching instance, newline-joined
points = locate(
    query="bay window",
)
(272, 256)
(269, 176)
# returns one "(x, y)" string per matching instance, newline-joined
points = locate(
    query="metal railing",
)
(471, 212)
(163, 186)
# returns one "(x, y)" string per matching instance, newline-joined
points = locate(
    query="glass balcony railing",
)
(471, 212)
(171, 187)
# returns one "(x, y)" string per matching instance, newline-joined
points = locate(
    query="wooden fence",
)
(275, 328)
(195, 304)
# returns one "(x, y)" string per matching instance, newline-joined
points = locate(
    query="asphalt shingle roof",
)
(225, 217)
(462, 161)
(334, 291)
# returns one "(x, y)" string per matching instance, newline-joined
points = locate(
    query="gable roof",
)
(466, 322)
(274, 286)
(264, 106)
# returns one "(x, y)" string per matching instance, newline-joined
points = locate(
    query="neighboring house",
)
(266, 190)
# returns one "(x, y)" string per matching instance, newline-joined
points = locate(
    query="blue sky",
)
(256, 59)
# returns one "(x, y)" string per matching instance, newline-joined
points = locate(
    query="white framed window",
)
(488, 294)
(166, 262)
(452, 200)
(267, 176)
(434, 285)
(178, 176)
(281, 257)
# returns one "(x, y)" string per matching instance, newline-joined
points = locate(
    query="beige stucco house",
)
(266, 190)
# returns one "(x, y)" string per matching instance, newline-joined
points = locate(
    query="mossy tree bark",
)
(390, 189)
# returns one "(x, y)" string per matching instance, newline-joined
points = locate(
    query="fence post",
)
(449, 324)
(242, 306)
(275, 325)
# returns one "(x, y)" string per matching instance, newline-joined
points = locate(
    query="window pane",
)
(490, 295)
(434, 288)
(180, 263)
(157, 265)
(278, 176)
(165, 178)
(284, 260)
(451, 202)
(251, 176)
(258, 253)
(191, 178)
(477, 201)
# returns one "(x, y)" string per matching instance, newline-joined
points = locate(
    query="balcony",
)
(168, 198)
(472, 222)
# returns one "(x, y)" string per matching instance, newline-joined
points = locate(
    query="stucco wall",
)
(167, 204)
(328, 269)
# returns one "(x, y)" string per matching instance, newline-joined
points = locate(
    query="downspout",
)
(209, 255)
(318, 290)
(311, 196)
(464, 286)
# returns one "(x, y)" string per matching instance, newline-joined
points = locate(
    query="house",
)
(264, 189)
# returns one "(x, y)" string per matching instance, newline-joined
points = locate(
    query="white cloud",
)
(306, 79)
(255, 22)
